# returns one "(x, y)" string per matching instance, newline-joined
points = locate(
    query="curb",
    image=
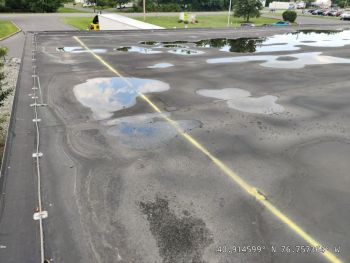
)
(14, 33)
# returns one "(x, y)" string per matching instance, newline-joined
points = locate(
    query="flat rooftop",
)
(190, 146)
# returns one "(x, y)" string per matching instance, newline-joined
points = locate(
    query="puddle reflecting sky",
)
(141, 50)
(241, 100)
(281, 42)
(161, 65)
(80, 50)
(290, 61)
(146, 131)
(293, 41)
(107, 95)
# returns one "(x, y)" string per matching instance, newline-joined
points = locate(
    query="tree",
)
(122, 2)
(103, 3)
(342, 3)
(247, 9)
(16, 5)
(289, 15)
(3, 93)
(44, 6)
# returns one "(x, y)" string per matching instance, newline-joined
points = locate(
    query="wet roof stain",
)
(179, 239)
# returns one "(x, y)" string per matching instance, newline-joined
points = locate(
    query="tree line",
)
(151, 5)
(37, 6)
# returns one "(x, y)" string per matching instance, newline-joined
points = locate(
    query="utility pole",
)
(229, 14)
(144, 10)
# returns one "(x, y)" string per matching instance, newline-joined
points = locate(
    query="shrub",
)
(3, 93)
(341, 4)
(289, 16)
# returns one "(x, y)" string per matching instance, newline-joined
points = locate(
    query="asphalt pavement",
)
(309, 19)
(123, 183)
(32, 22)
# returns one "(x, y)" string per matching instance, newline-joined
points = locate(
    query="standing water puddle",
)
(185, 51)
(80, 50)
(241, 100)
(107, 95)
(281, 42)
(161, 65)
(141, 50)
(147, 131)
(104, 96)
(291, 61)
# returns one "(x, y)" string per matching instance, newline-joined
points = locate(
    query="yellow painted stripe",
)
(224, 168)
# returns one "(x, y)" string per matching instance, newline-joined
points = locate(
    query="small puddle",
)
(147, 131)
(80, 50)
(292, 61)
(161, 65)
(163, 44)
(150, 43)
(107, 95)
(241, 100)
(185, 52)
(141, 50)
(173, 46)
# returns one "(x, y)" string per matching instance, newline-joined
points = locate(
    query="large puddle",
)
(107, 95)
(290, 61)
(104, 96)
(147, 131)
(241, 100)
(281, 42)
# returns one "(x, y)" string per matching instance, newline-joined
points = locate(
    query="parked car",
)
(281, 23)
(332, 13)
(311, 11)
(339, 13)
(345, 16)
(247, 25)
(318, 12)
(301, 5)
(87, 4)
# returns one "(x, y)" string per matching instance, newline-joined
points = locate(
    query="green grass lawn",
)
(7, 28)
(81, 23)
(203, 21)
(70, 10)
(171, 21)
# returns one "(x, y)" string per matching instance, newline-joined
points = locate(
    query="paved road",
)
(32, 22)
(121, 186)
(310, 20)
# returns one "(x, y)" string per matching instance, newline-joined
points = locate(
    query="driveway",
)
(32, 22)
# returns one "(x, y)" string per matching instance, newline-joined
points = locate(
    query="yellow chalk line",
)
(224, 168)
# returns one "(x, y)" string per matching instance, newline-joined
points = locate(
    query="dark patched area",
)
(180, 239)
(286, 58)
